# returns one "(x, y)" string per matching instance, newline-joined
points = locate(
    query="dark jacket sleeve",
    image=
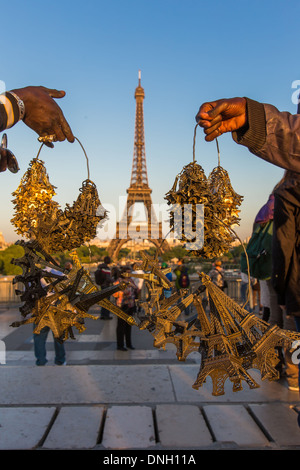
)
(271, 135)
(284, 238)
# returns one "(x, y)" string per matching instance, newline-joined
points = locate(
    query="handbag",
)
(259, 252)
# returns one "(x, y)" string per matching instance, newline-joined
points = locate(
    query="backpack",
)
(259, 251)
(100, 276)
(184, 280)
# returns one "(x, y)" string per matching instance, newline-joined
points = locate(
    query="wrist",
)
(13, 108)
(20, 104)
(253, 133)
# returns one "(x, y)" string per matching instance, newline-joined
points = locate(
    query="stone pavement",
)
(109, 400)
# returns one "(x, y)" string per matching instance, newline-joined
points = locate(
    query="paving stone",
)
(182, 426)
(23, 428)
(280, 421)
(183, 377)
(128, 427)
(85, 384)
(76, 427)
(232, 423)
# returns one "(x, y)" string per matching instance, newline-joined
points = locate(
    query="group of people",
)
(127, 299)
(124, 298)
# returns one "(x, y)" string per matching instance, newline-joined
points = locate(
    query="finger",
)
(45, 141)
(12, 162)
(49, 144)
(54, 93)
(214, 132)
(213, 128)
(66, 130)
(202, 113)
(212, 136)
(60, 136)
(205, 109)
(206, 124)
(3, 160)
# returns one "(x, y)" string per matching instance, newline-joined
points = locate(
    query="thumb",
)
(54, 93)
(216, 108)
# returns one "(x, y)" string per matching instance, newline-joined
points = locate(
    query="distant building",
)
(3, 243)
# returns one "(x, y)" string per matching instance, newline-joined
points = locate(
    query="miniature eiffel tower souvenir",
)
(220, 212)
(236, 341)
(55, 299)
(37, 216)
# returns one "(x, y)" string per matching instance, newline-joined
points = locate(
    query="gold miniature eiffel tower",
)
(236, 341)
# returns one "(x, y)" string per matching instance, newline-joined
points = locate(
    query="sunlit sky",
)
(188, 52)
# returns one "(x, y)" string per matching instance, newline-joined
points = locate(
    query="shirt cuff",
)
(252, 135)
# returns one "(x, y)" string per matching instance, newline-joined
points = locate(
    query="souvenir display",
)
(220, 213)
(58, 299)
(229, 339)
(38, 217)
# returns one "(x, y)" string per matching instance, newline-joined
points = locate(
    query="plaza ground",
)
(105, 399)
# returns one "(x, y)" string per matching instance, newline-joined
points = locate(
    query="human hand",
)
(42, 113)
(7, 158)
(226, 115)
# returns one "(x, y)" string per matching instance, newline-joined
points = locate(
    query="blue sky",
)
(188, 52)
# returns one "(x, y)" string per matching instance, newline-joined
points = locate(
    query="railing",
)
(7, 291)
(9, 297)
(233, 289)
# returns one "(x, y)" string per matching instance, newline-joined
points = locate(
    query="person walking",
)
(40, 339)
(127, 304)
(104, 280)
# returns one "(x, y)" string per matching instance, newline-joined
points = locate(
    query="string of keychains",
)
(229, 228)
(85, 154)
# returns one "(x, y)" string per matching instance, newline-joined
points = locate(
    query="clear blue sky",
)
(188, 52)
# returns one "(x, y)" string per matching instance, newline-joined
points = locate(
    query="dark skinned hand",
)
(218, 117)
(42, 113)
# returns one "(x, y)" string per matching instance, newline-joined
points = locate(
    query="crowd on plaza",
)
(128, 299)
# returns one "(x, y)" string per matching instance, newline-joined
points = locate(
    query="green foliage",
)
(123, 253)
(177, 252)
(86, 254)
(6, 267)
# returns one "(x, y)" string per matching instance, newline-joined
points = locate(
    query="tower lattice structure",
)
(139, 191)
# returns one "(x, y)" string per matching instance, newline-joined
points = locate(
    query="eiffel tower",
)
(138, 192)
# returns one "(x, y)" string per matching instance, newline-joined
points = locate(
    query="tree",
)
(6, 267)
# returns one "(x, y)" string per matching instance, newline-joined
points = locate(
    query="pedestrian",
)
(104, 280)
(167, 292)
(40, 339)
(177, 272)
(286, 266)
(265, 300)
(246, 292)
(217, 274)
(139, 282)
(128, 305)
(182, 281)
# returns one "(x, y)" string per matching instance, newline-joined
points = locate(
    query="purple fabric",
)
(266, 213)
